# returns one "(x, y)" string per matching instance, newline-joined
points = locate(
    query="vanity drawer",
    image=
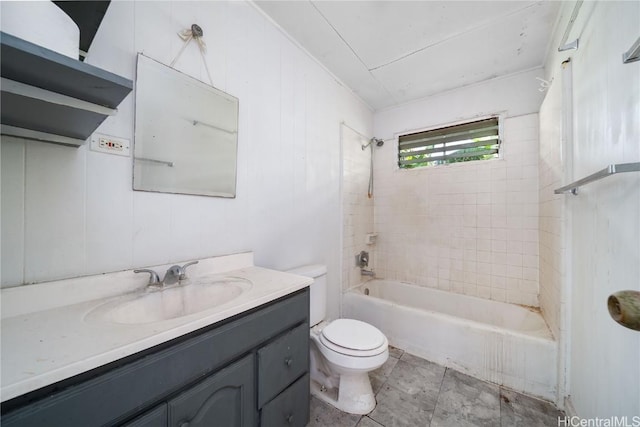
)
(281, 362)
(290, 408)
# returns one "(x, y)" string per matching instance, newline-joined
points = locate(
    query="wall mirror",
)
(186, 134)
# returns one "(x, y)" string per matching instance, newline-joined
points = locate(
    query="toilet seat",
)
(353, 338)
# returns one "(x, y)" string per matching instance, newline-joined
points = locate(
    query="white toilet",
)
(343, 352)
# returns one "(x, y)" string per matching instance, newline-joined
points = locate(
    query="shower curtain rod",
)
(355, 130)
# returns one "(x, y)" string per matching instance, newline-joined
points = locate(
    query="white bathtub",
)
(503, 343)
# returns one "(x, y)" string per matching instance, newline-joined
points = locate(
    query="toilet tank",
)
(318, 290)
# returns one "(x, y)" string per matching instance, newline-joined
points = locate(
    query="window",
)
(477, 140)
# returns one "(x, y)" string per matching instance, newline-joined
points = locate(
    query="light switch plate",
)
(110, 144)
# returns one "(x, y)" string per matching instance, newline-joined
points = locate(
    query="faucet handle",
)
(362, 259)
(183, 272)
(154, 279)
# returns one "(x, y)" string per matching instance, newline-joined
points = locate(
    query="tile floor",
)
(414, 392)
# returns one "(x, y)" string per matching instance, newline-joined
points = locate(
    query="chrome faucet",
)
(365, 272)
(154, 279)
(362, 259)
(174, 274)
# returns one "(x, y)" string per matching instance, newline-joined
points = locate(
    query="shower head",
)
(378, 142)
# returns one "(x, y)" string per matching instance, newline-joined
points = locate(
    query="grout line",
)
(500, 404)
(439, 393)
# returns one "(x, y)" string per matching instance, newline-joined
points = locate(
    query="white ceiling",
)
(391, 52)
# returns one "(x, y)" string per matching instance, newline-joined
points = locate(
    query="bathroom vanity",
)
(247, 369)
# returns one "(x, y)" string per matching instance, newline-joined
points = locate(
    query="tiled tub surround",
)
(552, 245)
(46, 336)
(469, 228)
(357, 207)
(498, 342)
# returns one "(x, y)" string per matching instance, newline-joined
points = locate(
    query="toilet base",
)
(354, 394)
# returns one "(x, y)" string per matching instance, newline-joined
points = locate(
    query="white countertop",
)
(47, 335)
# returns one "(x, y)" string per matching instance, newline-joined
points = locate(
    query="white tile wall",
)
(357, 207)
(469, 228)
(551, 209)
(69, 212)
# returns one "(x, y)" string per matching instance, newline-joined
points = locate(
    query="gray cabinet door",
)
(225, 399)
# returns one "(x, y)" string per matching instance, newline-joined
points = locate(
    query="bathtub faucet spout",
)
(365, 272)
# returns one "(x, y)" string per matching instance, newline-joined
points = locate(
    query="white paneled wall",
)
(472, 227)
(469, 228)
(71, 212)
(357, 207)
(602, 362)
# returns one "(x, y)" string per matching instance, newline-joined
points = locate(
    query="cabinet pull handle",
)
(290, 419)
(288, 361)
(185, 424)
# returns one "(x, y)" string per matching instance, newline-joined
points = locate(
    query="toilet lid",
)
(353, 334)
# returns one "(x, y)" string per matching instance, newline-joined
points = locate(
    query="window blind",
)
(477, 140)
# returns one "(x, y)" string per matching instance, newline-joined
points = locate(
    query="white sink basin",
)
(173, 302)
